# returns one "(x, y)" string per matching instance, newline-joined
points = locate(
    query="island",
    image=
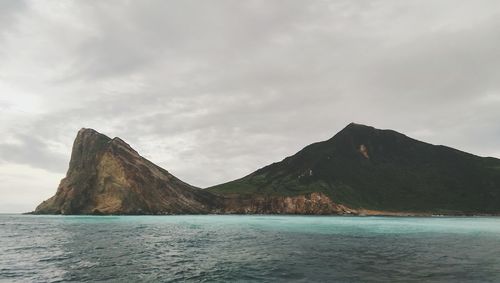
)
(359, 171)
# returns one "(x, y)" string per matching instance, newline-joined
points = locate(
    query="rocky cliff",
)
(312, 203)
(107, 176)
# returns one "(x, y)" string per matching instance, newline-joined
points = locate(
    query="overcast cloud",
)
(212, 90)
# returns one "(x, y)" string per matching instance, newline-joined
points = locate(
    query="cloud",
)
(214, 90)
(24, 186)
(9, 13)
(33, 151)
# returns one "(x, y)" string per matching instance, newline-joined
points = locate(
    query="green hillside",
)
(364, 167)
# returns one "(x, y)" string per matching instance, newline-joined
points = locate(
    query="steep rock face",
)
(313, 203)
(106, 176)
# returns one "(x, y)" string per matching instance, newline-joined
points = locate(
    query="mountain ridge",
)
(360, 170)
(367, 168)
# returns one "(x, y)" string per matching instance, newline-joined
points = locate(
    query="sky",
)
(213, 90)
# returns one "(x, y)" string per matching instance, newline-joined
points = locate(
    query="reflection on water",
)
(248, 248)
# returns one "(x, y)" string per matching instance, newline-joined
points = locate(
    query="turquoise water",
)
(248, 248)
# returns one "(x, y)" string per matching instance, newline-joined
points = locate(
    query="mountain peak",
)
(88, 132)
(107, 176)
(354, 131)
(91, 140)
(356, 126)
(88, 135)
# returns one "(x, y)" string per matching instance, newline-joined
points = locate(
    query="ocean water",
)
(215, 248)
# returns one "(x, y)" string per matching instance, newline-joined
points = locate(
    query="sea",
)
(257, 248)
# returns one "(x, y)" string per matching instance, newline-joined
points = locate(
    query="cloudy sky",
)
(212, 90)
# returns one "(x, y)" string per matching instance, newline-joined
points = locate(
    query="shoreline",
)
(363, 213)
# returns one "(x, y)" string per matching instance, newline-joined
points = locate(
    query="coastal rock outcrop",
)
(313, 203)
(107, 176)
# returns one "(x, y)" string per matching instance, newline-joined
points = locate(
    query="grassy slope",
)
(401, 174)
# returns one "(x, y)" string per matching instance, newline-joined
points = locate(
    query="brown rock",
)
(106, 176)
(313, 203)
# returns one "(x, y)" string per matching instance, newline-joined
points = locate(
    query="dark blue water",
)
(248, 248)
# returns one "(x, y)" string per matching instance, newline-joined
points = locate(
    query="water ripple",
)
(248, 248)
